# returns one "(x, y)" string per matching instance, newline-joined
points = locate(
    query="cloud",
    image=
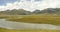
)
(32, 5)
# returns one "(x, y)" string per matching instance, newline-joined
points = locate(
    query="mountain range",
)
(24, 12)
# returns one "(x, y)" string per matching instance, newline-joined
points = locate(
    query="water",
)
(21, 25)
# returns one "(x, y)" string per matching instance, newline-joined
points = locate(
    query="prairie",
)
(38, 19)
(9, 30)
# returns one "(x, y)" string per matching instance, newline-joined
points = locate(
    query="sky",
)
(29, 5)
(3, 2)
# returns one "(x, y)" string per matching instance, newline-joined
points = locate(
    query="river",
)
(22, 26)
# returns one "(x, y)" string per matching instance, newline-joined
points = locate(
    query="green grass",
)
(10, 30)
(40, 19)
(45, 19)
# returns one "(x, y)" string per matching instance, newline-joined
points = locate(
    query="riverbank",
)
(26, 26)
(38, 19)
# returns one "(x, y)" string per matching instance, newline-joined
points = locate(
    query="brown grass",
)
(40, 19)
(11, 30)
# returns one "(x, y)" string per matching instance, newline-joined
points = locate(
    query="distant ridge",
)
(24, 12)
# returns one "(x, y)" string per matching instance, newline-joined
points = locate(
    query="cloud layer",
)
(31, 5)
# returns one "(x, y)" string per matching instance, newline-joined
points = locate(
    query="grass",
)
(9, 30)
(45, 19)
(40, 19)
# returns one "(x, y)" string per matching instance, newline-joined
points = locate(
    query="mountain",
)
(24, 12)
(36, 11)
(51, 11)
(15, 12)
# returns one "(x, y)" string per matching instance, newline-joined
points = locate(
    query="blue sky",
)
(3, 2)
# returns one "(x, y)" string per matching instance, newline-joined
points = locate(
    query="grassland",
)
(40, 19)
(9, 30)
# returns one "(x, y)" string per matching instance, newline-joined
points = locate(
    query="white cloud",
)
(32, 5)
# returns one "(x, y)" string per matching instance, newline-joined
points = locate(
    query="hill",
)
(24, 12)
